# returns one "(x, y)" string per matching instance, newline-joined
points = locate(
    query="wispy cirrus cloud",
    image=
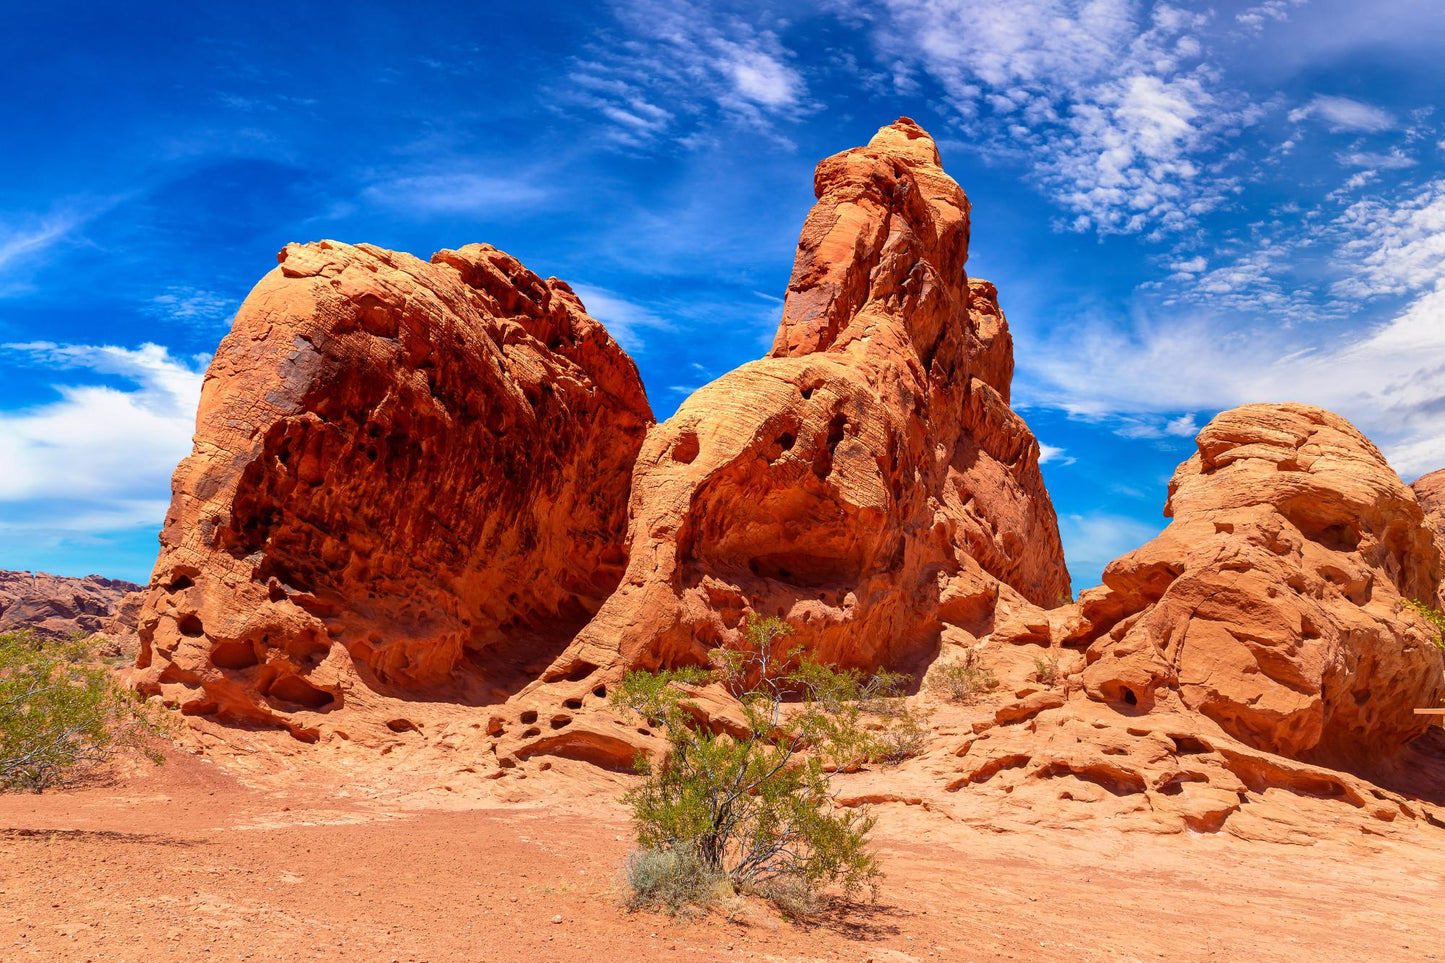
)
(625, 320)
(1345, 114)
(1388, 378)
(19, 243)
(668, 66)
(1115, 105)
(457, 192)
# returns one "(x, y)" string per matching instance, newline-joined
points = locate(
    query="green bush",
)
(1046, 670)
(1433, 616)
(61, 713)
(965, 680)
(905, 737)
(756, 809)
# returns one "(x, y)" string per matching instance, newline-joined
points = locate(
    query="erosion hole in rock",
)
(575, 673)
(804, 568)
(1118, 782)
(191, 627)
(573, 704)
(402, 725)
(293, 688)
(687, 447)
(605, 752)
(180, 583)
(786, 440)
(823, 460)
(1334, 533)
(1175, 786)
(600, 691)
(1130, 698)
(1190, 746)
(561, 721)
(233, 655)
(529, 733)
(528, 717)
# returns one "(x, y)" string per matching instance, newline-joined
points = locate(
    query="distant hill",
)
(57, 606)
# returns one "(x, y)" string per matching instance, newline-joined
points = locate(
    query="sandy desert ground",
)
(187, 862)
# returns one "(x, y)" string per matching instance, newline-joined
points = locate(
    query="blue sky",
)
(1184, 207)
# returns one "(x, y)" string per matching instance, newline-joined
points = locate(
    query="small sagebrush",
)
(754, 808)
(905, 737)
(671, 880)
(1046, 670)
(965, 680)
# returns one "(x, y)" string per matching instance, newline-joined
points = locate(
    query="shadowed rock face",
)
(868, 480)
(402, 471)
(56, 606)
(1430, 491)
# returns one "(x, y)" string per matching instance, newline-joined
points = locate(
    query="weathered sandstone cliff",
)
(406, 475)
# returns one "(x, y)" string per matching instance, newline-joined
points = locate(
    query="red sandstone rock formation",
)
(405, 475)
(868, 480)
(1430, 491)
(56, 606)
(409, 480)
(1265, 624)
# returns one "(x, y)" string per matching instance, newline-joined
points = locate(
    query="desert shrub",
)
(674, 880)
(903, 738)
(1432, 615)
(1046, 670)
(755, 808)
(964, 680)
(61, 713)
(795, 899)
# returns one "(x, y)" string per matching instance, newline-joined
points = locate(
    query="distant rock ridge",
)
(58, 606)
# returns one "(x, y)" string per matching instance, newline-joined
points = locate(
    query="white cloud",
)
(185, 303)
(110, 449)
(1395, 160)
(625, 320)
(1389, 379)
(1393, 247)
(1256, 17)
(759, 76)
(676, 65)
(1190, 266)
(1093, 541)
(1345, 114)
(1116, 108)
(456, 193)
(1053, 453)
